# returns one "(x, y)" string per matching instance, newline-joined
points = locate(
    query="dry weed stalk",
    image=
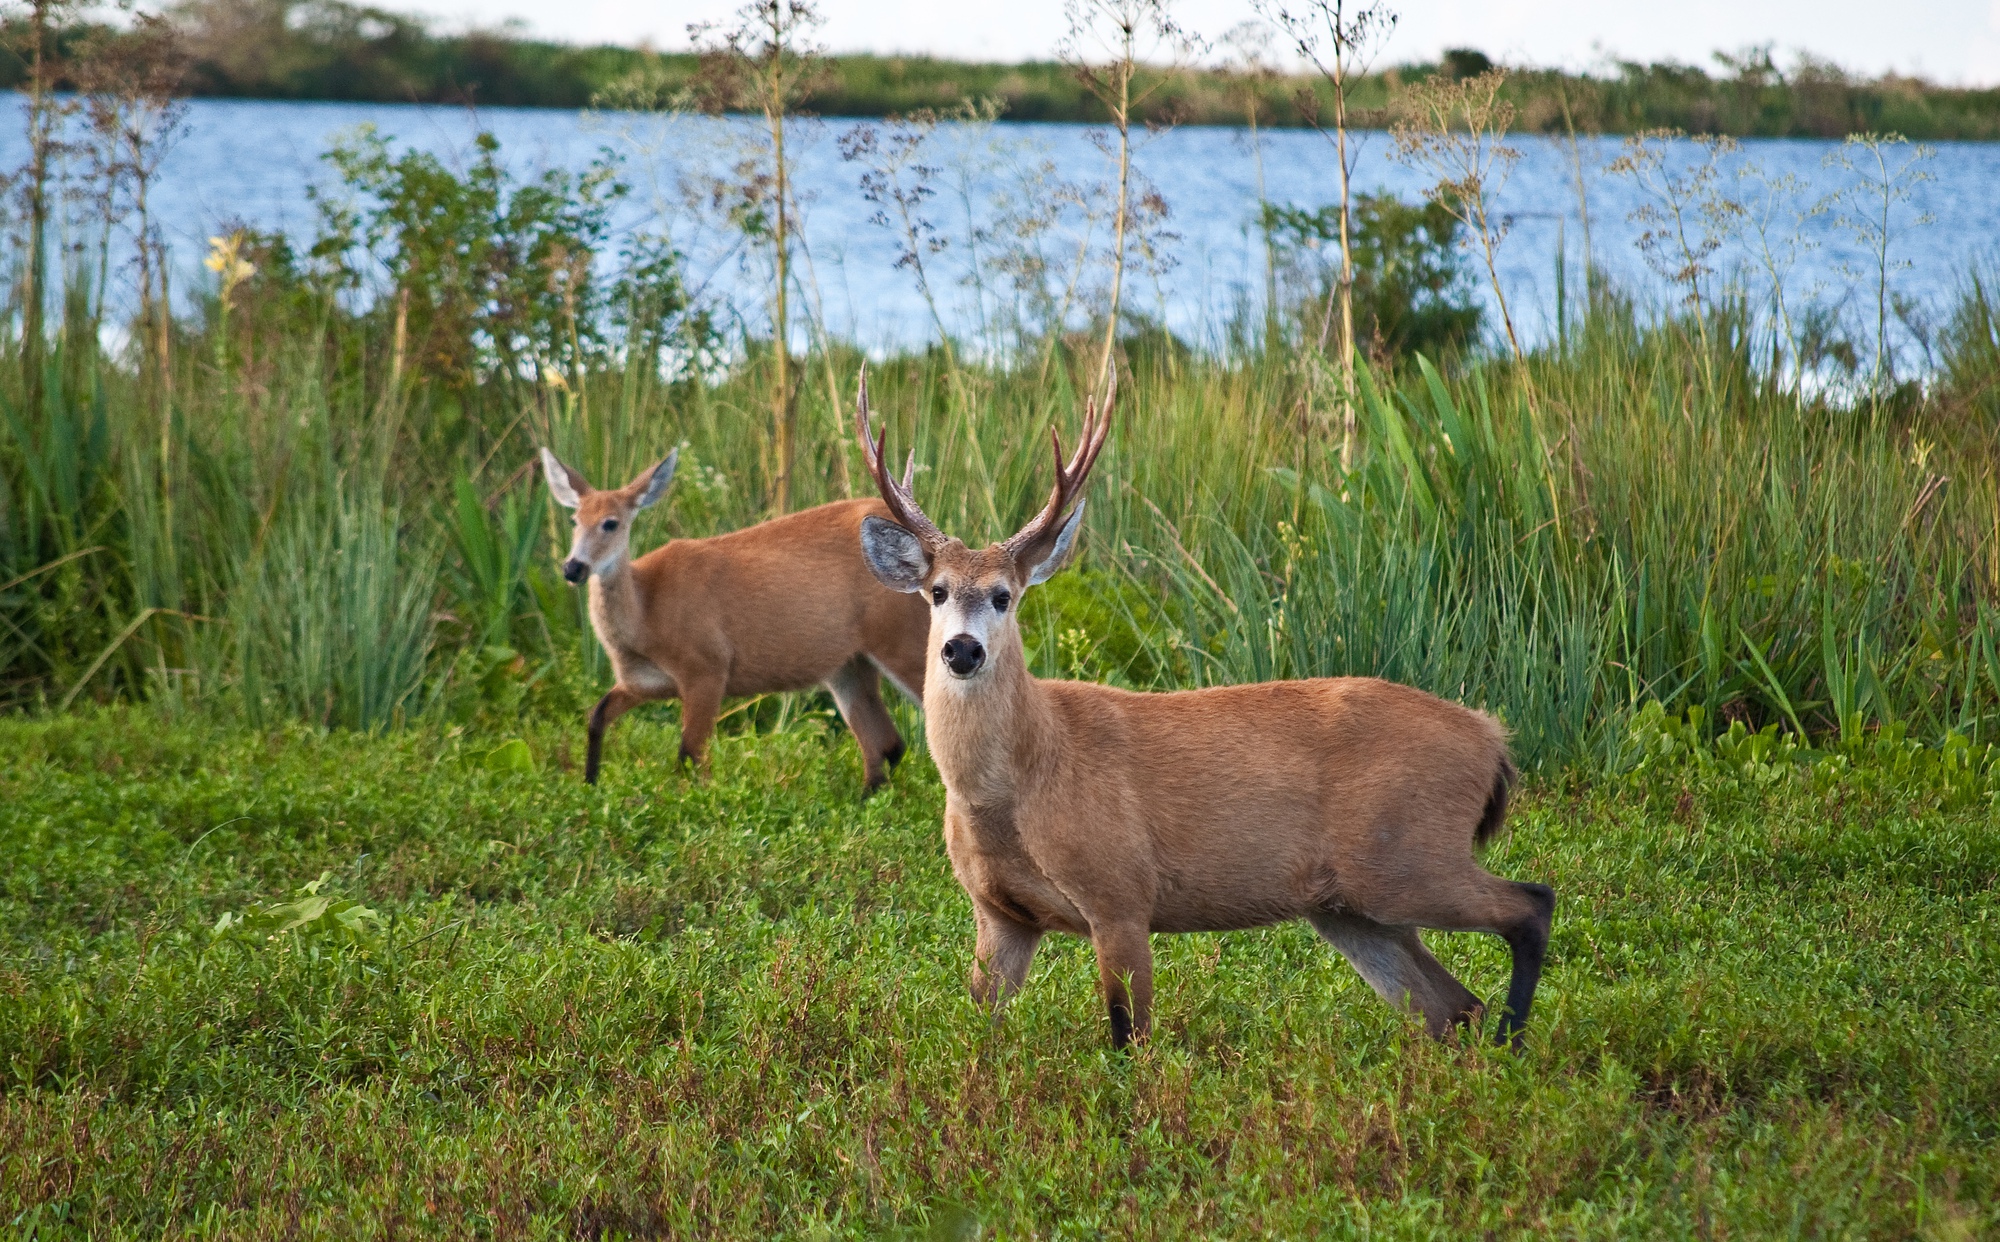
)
(1455, 130)
(766, 63)
(1107, 44)
(1687, 217)
(1253, 73)
(1886, 171)
(1340, 42)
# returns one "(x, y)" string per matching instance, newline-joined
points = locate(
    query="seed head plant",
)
(1454, 130)
(1108, 43)
(1687, 217)
(1339, 40)
(766, 62)
(1885, 171)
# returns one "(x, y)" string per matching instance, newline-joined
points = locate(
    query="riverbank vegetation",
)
(334, 50)
(314, 498)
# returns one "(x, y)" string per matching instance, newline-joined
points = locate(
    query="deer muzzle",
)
(963, 655)
(575, 571)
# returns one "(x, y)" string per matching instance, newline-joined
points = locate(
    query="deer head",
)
(603, 519)
(975, 595)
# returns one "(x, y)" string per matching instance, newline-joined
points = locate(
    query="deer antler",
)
(1027, 543)
(902, 506)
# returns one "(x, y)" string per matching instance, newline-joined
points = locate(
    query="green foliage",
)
(312, 913)
(1413, 287)
(330, 49)
(1954, 772)
(488, 275)
(495, 553)
(1092, 625)
(735, 1007)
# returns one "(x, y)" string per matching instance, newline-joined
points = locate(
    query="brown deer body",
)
(1353, 803)
(783, 605)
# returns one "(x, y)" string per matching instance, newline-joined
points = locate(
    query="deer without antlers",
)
(784, 605)
(1353, 803)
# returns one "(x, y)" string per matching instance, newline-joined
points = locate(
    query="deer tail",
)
(1495, 815)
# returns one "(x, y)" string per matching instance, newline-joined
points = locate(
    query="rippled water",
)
(253, 161)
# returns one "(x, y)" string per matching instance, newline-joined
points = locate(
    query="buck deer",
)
(1353, 803)
(784, 605)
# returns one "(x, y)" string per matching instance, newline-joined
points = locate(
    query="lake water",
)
(252, 162)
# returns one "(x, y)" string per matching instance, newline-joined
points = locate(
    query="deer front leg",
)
(1125, 972)
(1001, 955)
(609, 708)
(701, 703)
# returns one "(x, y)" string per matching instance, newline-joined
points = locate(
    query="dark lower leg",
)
(1125, 971)
(857, 692)
(614, 704)
(1529, 940)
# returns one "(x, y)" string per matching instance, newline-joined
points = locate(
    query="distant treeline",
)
(329, 49)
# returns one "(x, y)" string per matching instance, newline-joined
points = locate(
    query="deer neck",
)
(992, 737)
(616, 610)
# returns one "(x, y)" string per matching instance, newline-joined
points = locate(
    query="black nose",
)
(963, 655)
(575, 570)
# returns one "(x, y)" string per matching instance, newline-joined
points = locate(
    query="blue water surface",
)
(251, 162)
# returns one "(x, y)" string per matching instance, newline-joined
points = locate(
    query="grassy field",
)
(732, 1007)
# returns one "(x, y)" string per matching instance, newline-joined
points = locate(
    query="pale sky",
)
(1952, 41)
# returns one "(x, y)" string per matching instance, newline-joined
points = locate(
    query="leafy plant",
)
(314, 911)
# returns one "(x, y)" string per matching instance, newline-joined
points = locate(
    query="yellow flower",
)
(225, 261)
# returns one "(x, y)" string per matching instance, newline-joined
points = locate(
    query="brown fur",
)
(1353, 803)
(784, 605)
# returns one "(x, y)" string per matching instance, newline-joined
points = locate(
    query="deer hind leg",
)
(1125, 972)
(1527, 937)
(857, 692)
(1518, 913)
(614, 704)
(1402, 971)
(1001, 956)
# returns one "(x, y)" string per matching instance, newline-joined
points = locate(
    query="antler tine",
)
(1070, 475)
(902, 504)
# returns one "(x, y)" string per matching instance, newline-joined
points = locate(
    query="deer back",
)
(781, 604)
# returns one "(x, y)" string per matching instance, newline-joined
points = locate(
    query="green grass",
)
(733, 1007)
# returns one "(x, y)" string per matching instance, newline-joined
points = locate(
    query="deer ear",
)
(567, 485)
(1058, 556)
(895, 556)
(656, 484)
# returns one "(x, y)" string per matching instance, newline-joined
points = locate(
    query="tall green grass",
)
(1621, 519)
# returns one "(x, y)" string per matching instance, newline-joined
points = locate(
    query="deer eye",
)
(1000, 601)
(939, 594)
(611, 523)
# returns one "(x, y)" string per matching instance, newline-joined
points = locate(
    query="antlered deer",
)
(784, 605)
(1350, 802)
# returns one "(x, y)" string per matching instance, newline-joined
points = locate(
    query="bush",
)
(1413, 292)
